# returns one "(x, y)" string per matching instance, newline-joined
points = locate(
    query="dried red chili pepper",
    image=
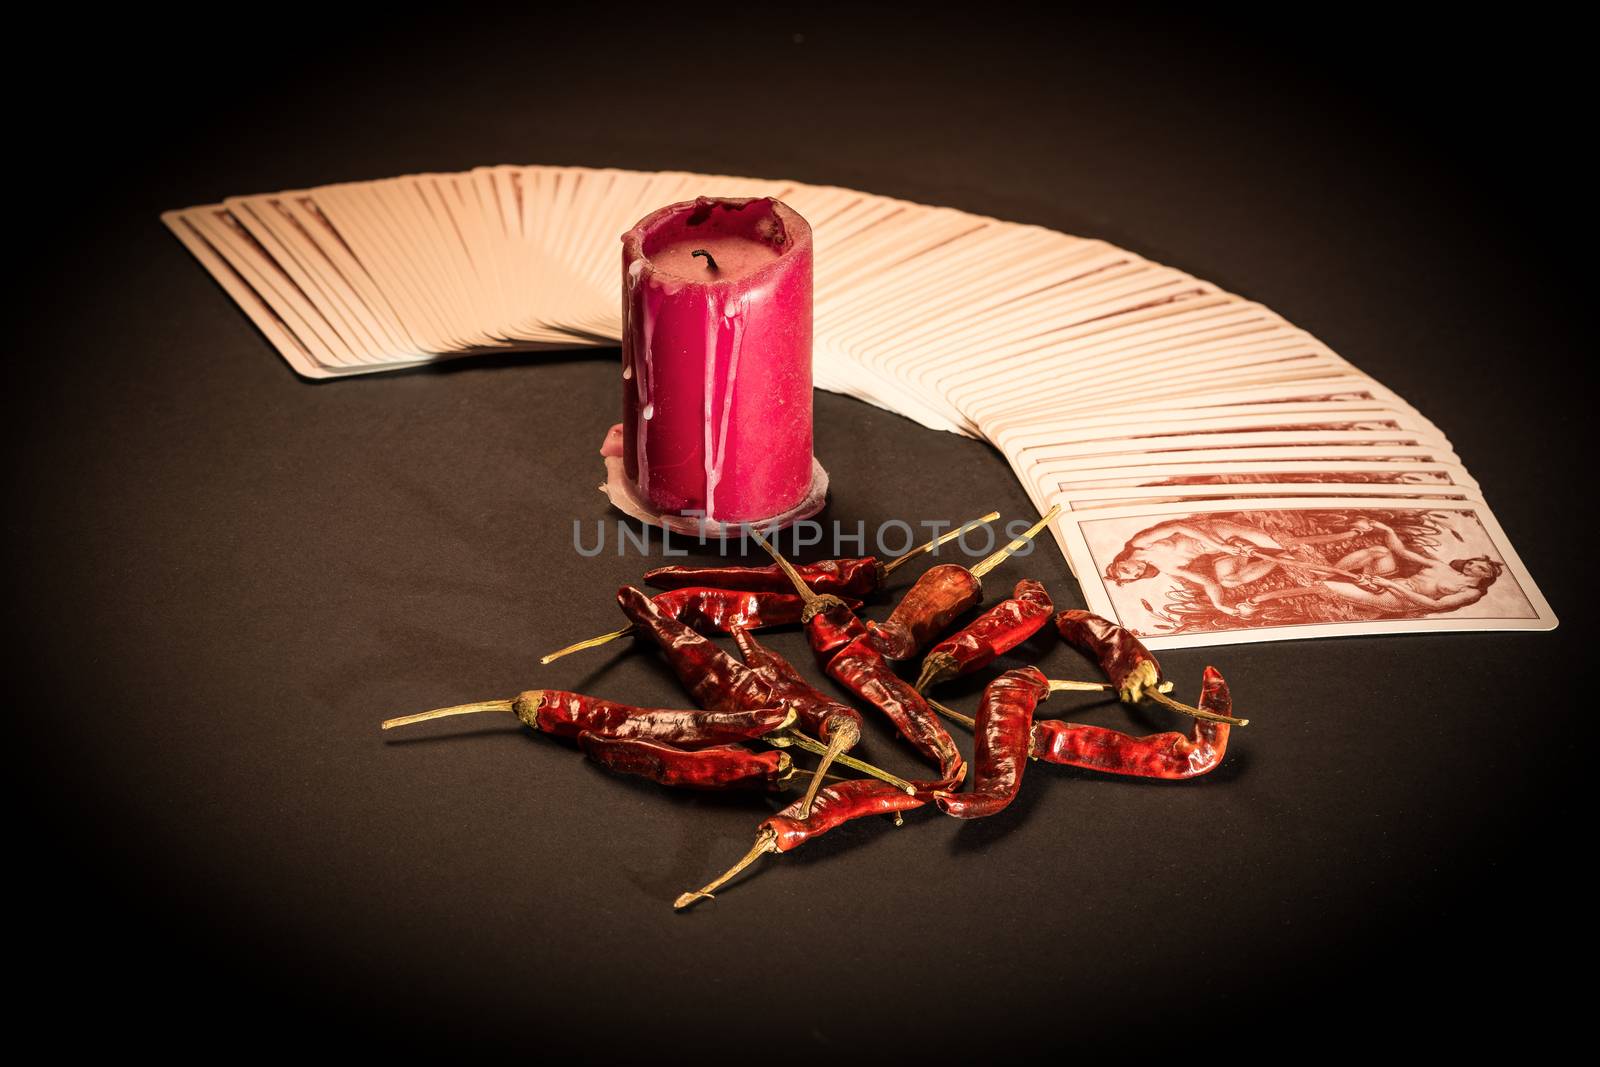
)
(863, 670)
(709, 611)
(939, 595)
(819, 713)
(717, 681)
(830, 624)
(720, 767)
(837, 724)
(713, 678)
(1133, 671)
(861, 667)
(1000, 752)
(787, 830)
(1096, 748)
(1167, 755)
(567, 714)
(989, 636)
(837, 805)
(1122, 656)
(856, 576)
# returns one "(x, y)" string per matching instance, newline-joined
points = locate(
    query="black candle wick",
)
(702, 252)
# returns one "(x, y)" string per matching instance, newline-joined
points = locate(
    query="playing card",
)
(273, 285)
(1166, 476)
(357, 221)
(250, 301)
(1026, 357)
(1148, 373)
(337, 266)
(1335, 389)
(1155, 448)
(290, 247)
(1041, 479)
(1053, 436)
(1190, 574)
(1079, 500)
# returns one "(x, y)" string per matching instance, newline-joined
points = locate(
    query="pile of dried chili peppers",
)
(760, 699)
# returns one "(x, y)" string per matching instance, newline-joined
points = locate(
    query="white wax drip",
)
(647, 407)
(635, 269)
(733, 314)
(709, 367)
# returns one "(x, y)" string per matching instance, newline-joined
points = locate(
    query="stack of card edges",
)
(1223, 476)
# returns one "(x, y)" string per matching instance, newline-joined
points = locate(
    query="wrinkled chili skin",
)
(832, 629)
(1170, 755)
(710, 610)
(567, 714)
(991, 635)
(1127, 664)
(862, 669)
(820, 714)
(722, 767)
(836, 805)
(715, 680)
(926, 611)
(854, 577)
(1002, 734)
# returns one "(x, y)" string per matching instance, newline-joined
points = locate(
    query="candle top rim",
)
(797, 232)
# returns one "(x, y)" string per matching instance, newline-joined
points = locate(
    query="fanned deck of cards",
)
(1223, 475)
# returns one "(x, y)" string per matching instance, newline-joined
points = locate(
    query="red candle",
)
(716, 359)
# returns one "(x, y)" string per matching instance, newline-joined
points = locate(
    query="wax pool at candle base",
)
(717, 360)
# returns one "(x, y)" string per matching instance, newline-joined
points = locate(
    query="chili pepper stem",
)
(1063, 685)
(807, 594)
(952, 714)
(1059, 685)
(785, 738)
(1056, 686)
(593, 642)
(924, 549)
(1199, 713)
(795, 772)
(443, 713)
(995, 560)
(766, 841)
(842, 737)
(815, 602)
(932, 668)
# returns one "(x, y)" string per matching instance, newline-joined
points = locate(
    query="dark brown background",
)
(226, 576)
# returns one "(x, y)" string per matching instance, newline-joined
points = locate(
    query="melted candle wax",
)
(717, 358)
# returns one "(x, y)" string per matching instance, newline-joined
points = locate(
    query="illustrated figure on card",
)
(1213, 555)
(1390, 577)
(1227, 570)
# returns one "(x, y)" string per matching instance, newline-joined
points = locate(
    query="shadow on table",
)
(490, 361)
